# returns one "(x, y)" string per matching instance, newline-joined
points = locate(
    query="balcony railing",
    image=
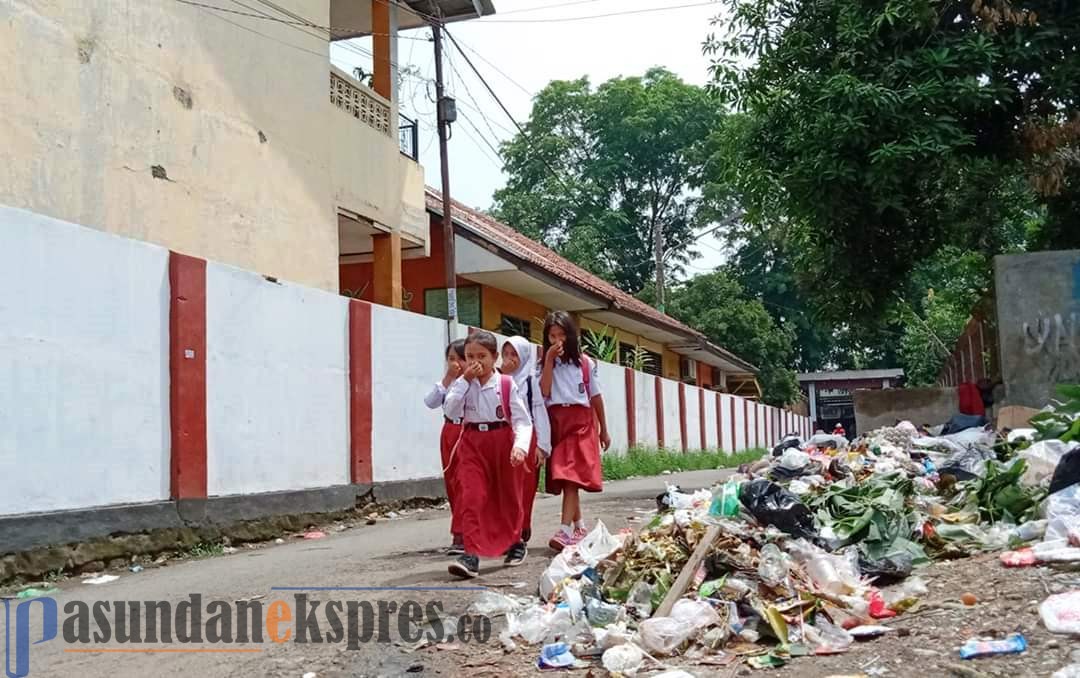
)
(409, 137)
(360, 102)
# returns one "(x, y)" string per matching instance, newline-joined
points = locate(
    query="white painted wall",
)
(613, 383)
(645, 409)
(277, 405)
(407, 352)
(84, 407)
(711, 441)
(672, 434)
(693, 418)
(742, 419)
(727, 424)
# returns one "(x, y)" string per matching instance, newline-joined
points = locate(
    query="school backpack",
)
(505, 380)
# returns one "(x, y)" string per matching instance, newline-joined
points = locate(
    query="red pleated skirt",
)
(575, 453)
(489, 491)
(531, 477)
(450, 434)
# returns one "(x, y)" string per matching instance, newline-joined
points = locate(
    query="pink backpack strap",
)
(505, 380)
(585, 373)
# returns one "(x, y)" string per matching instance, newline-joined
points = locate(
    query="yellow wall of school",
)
(671, 365)
(495, 302)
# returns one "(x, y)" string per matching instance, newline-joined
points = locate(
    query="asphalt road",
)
(396, 553)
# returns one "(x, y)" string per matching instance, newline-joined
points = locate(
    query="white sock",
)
(580, 524)
(568, 530)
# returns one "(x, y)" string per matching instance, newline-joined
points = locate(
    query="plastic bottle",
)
(773, 566)
(1014, 644)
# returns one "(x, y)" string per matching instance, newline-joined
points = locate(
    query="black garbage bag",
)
(771, 504)
(962, 422)
(968, 464)
(786, 443)
(662, 500)
(1067, 472)
(888, 570)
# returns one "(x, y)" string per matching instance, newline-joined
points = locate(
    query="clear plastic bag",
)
(1061, 613)
(1042, 458)
(697, 613)
(626, 659)
(1063, 513)
(490, 604)
(597, 545)
(664, 635)
(773, 566)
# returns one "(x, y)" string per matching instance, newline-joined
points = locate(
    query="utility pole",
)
(658, 255)
(447, 113)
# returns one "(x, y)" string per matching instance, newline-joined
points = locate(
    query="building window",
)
(688, 370)
(640, 358)
(468, 304)
(511, 326)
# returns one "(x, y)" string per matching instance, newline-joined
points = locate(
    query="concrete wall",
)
(613, 383)
(645, 409)
(276, 385)
(84, 341)
(672, 425)
(877, 408)
(693, 419)
(1038, 318)
(711, 442)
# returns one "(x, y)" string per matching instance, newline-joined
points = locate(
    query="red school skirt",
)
(575, 453)
(489, 491)
(450, 434)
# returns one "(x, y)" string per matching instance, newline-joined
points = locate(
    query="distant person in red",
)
(839, 430)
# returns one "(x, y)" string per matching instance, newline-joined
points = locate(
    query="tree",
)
(875, 134)
(717, 305)
(602, 174)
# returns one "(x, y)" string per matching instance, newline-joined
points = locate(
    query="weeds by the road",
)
(646, 461)
(204, 550)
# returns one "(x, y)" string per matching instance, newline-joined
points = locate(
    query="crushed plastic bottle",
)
(556, 656)
(773, 566)
(1014, 644)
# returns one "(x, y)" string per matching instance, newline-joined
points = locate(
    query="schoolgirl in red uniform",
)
(495, 437)
(451, 431)
(519, 361)
(578, 423)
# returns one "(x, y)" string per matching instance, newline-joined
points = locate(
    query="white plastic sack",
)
(664, 635)
(1042, 458)
(909, 428)
(536, 624)
(625, 659)
(1021, 434)
(697, 613)
(798, 487)
(828, 440)
(615, 634)
(1063, 513)
(1061, 613)
(598, 545)
(560, 568)
(793, 459)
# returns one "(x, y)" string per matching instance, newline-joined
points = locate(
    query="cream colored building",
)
(220, 135)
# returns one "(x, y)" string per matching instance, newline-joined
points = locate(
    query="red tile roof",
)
(536, 254)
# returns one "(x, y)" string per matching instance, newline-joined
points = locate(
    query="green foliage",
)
(717, 305)
(643, 461)
(639, 359)
(628, 155)
(1062, 421)
(602, 345)
(874, 134)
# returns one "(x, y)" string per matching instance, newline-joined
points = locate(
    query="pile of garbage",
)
(811, 548)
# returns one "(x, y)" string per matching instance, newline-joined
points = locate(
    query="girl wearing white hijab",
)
(520, 362)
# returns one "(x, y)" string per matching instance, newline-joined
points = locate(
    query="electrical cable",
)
(485, 20)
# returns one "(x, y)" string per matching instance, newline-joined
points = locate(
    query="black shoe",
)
(455, 549)
(516, 555)
(466, 567)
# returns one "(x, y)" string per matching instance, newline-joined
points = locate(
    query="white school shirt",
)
(567, 387)
(540, 421)
(479, 404)
(436, 396)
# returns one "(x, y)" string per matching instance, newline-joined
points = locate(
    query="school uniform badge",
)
(581, 387)
(499, 412)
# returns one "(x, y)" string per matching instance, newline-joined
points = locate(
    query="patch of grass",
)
(54, 576)
(204, 550)
(644, 461)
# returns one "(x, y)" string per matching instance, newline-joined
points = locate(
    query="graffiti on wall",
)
(1056, 340)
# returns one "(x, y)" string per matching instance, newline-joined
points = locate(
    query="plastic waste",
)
(827, 638)
(1042, 458)
(1061, 613)
(491, 603)
(791, 441)
(556, 656)
(536, 624)
(1018, 434)
(726, 502)
(887, 570)
(676, 499)
(697, 613)
(599, 544)
(798, 487)
(878, 608)
(640, 599)
(1063, 513)
(614, 634)
(773, 565)
(676, 673)
(558, 570)
(101, 579)
(967, 464)
(1030, 531)
(626, 659)
(1014, 644)
(571, 595)
(771, 504)
(600, 613)
(664, 635)
(868, 631)
(964, 423)
(1070, 671)
(905, 595)
(36, 593)
(835, 574)
(794, 460)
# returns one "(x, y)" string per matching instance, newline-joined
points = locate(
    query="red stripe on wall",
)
(631, 409)
(701, 416)
(360, 391)
(734, 442)
(682, 414)
(659, 412)
(187, 375)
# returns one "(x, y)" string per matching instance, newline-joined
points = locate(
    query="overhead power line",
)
(340, 31)
(485, 20)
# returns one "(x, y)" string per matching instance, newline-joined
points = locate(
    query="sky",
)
(532, 42)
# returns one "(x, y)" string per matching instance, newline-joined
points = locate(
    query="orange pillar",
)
(387, 269)
(382, 80)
